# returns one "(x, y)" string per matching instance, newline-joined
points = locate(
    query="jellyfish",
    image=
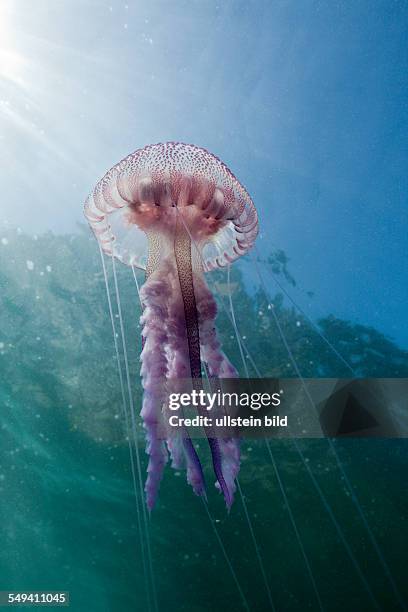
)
(177, 212)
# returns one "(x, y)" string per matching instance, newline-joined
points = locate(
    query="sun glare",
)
(10, 65)
(11, 62)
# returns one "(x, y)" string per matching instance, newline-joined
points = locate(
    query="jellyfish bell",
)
(176, 211)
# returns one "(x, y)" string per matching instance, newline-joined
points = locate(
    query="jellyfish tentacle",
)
(154, 295)
(218, 459)
(195, 475)
(182, 249)
(178, 326)
(219, 366)
(179, 367)
(218, 363)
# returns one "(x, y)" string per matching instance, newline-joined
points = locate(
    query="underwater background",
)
(306, 102)
(68, 514)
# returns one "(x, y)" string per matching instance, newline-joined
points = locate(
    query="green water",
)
(68, 514)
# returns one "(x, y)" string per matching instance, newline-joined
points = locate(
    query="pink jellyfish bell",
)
(176, 211)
